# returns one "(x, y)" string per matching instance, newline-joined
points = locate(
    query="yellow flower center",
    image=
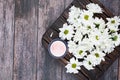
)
(86, 17)
(74, 65)
(66, 32)
(97, 55)
(97, 38)
(80, 52)
(113, 21)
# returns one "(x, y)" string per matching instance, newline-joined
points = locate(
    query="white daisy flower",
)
(87, 44)
(113, 29)
(89, 62)
(95, 8)
(88, 65)
(77, 25)
(99, 56)
(80, 52)
(92, 58)
(74, 14)
(87, 28)
(75, 9)
(73, 66)
(113, 22)
(78, 36)
(86, 16)
(66, 32)
(96, 37)
(80, 30)
(107, 46)
(116, 39)
(72, 46)
(90, 25)
(99, 23)
(72, 20)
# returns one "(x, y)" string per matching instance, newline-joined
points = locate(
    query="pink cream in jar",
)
(57, 48)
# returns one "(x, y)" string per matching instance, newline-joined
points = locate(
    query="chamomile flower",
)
(78, 36)
(99, 56)
(90, 25)
(88, 62)
(80, 52)
(99, 23)
(66, 32)
(96, 37)
(74, 15)
(113, 29)
(92, 59)
(75, 9)
(107, 46)
(77, 25)
(86, 16)
(73, 66)
(87, 44)
(81, 30)
(113, 22)
(87, 28)
(116, 39)
(95, 8)
(72, 46)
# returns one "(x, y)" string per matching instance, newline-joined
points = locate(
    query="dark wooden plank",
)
(6, 39)
(111, 73)
(25, 48)
(48, 68)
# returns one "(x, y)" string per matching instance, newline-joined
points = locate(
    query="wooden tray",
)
(83, 74)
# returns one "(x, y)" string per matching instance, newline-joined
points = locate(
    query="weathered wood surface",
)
(6, 39)
(22, 56)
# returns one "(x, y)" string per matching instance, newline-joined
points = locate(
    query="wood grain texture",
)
(6, 39)
(25, 48)
(48, 68)
(22, 56)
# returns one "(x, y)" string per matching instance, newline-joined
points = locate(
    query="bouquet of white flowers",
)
(89, 37)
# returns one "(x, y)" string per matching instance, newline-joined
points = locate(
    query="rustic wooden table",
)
(22, 56)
